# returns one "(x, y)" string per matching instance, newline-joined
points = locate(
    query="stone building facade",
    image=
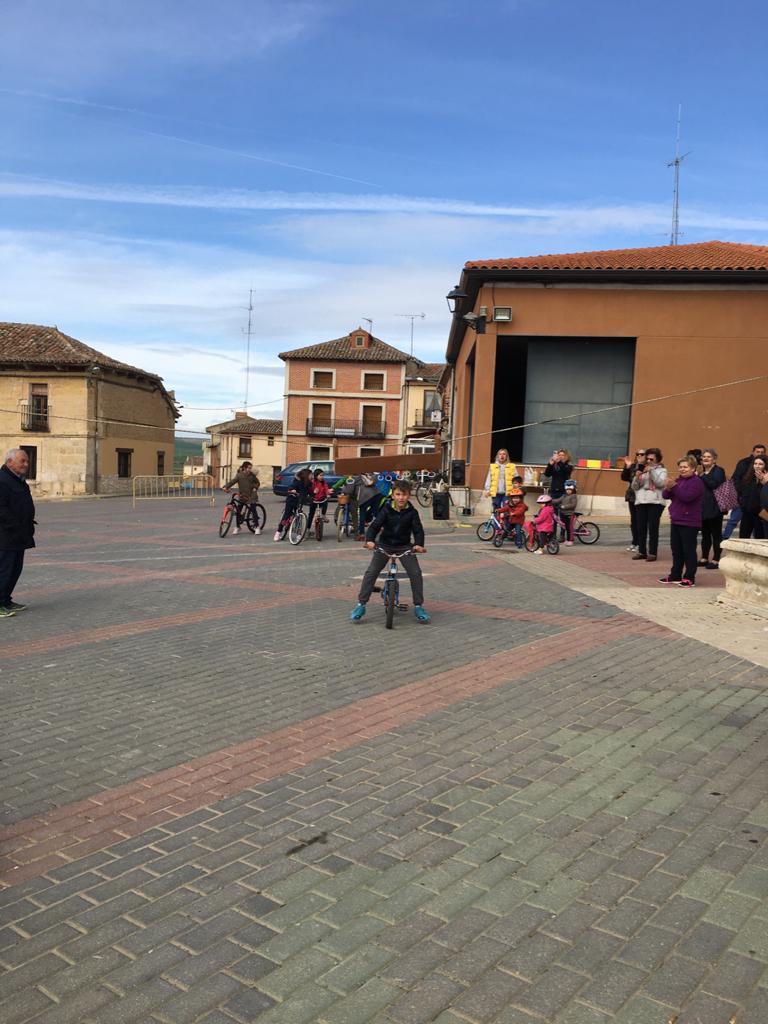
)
(88, 422)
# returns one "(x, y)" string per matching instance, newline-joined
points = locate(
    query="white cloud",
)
(91, 39)
(579, 218)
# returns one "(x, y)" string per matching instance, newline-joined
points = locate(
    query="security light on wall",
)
(502, 312)
(477, 323)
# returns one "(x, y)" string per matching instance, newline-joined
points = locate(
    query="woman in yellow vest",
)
(498, 483)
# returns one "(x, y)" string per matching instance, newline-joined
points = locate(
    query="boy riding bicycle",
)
(398, 529)
(247, 484)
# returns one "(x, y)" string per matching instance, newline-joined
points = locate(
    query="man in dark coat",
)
(17, 526)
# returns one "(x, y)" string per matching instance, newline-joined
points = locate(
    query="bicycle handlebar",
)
(392, 554)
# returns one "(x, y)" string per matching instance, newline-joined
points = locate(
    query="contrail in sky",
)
(69, 101)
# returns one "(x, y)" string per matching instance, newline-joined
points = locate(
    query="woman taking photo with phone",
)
(558, 469)
(649, 481)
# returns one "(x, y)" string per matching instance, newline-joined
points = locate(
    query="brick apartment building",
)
(349, 398)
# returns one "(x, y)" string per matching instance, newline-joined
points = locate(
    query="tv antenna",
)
(676, 194)
(412, 317)
(370, 325)
(248, 347)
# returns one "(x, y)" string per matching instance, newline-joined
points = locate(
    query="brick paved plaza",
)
(224, 802)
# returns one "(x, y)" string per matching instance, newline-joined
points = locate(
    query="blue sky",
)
(343, 160)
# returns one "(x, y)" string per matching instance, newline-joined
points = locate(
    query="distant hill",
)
(183, 447)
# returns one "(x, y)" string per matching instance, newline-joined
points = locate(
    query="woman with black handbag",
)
(712, 476)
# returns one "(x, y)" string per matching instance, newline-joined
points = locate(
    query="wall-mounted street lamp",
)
(454, 297)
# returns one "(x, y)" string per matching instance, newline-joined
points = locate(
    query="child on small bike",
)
(320, 493)
(516, 515)
(248, 485)
(398, 528)
(567, 511)
(544, 522)
(299, 493)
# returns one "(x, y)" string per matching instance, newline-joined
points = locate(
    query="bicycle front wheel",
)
(226, 521)
(424, 496)
(531, 541)
(587, 533)
(486, 530)
(498, 538)
(298, 528)
(319, 526)
(390, 600)
(255, 518)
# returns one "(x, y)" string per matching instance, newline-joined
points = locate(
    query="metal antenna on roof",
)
(412, 317)
(248, 348)
(370, 325)
(676, 194)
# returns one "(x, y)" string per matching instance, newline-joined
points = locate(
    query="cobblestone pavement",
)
(224, 802)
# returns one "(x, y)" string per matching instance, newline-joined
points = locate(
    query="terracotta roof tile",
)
(247, 425)
(341, 350)
(33, 344)
(697, 256)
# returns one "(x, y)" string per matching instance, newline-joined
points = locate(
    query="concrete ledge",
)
(745, 567)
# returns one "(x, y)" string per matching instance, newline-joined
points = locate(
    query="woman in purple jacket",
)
(686, 496)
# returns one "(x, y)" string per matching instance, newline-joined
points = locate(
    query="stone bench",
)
(745, 567)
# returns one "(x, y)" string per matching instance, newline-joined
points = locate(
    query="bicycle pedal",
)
(402, 607)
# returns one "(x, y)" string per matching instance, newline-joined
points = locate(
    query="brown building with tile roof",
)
(245, 438)
(601, 352)
(89, 423)
(357, 397)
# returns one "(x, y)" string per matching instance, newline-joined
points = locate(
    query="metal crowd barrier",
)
(174, 486)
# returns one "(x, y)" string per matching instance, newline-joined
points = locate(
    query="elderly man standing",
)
(17, 526)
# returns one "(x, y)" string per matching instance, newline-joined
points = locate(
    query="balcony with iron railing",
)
(423, 418)
(36, 419)
(346, 428)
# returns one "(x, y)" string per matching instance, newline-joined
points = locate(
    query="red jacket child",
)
(320, 491)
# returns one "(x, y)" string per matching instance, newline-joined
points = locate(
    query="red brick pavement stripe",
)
(124, 629)
(36, 845)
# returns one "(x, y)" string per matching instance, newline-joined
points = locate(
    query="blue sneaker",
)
(420, 614)
(357, 612)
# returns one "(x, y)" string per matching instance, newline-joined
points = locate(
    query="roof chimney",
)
(241, 415)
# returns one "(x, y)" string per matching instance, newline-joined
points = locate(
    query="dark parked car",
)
(283, 479)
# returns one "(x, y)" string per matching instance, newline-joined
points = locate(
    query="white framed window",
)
(368, 451)
(321, 417)
(270, 441)
(360, 341)
(373, 380)
(323, 379)
(318, 453)
(373, 417)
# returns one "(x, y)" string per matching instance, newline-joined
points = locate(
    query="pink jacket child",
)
(545, 518)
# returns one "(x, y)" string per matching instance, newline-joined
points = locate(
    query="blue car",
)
(282, 481)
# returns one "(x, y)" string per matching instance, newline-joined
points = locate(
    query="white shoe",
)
(278, 536)
(257, 531)
(236, 531)
(632, 547)
(569, 543)
(538, 551)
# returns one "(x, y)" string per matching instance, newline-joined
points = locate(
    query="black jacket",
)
(741, 468)
(392, 529)
(558, 473)
(17, 513)
(628, 475)
(711, 480)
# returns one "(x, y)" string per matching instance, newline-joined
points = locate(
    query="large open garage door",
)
(563, 377)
